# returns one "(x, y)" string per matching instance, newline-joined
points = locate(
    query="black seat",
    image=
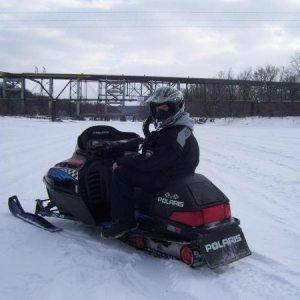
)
(101, 134)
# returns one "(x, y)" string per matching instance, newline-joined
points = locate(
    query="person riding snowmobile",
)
(169, 151)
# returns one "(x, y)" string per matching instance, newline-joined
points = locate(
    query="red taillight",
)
(205, 216)
(213, 214)
(188, 217)
(227, 211)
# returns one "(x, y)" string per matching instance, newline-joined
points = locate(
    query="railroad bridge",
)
(118, 90)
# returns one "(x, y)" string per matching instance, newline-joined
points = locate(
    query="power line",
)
(142, 26)
(149, 12)
(149, 20)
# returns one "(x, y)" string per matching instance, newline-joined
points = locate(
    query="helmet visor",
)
(154, 108)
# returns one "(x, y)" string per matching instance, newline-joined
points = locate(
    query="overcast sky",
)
(163, 38)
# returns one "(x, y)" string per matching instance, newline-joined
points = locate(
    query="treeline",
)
(259, 86)
(13, 93)
(264, 91)
(267, 73)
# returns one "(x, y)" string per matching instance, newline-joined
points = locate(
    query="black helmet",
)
(171, 97)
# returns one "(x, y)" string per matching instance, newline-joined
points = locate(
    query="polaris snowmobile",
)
(190, 219)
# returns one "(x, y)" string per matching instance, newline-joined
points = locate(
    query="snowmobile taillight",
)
(227, 211)
(191, 218)
(216, 213)
(205, 216)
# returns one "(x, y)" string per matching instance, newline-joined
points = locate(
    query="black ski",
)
(17, 210)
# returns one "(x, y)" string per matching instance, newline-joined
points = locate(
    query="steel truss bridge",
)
(118, 89)
(111, 89)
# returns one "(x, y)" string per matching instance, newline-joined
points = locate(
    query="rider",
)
(169, 151)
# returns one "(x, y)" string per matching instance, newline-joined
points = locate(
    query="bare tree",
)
(247, 74)
(226, 74)
(295, 62)
(266, 74)
(286, 74)
(295, 66)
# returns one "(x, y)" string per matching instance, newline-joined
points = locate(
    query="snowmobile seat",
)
(106, 142)
(98, 134)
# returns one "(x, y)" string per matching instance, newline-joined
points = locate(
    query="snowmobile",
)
(190, 219)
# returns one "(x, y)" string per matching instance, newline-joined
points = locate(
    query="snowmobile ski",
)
(17, 210)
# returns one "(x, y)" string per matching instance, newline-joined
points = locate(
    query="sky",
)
(161, 38)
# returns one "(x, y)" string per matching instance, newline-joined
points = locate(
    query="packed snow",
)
(255, 161)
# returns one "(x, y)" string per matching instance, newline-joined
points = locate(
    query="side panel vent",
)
(95, 187)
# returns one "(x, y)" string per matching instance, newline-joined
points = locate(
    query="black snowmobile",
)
(190, 219)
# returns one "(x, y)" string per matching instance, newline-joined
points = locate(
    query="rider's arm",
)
(159, 158)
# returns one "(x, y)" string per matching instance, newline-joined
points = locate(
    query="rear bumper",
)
(223, 243)
(219, 226)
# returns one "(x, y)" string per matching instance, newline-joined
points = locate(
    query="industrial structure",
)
(117, 90)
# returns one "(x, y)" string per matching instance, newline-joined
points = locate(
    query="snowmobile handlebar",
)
(146, 125)
(125, 145)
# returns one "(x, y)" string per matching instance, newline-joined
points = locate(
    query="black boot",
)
(117, 229)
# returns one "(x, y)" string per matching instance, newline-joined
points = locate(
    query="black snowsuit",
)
(169, 152)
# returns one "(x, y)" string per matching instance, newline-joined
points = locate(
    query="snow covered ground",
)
(254, 161)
